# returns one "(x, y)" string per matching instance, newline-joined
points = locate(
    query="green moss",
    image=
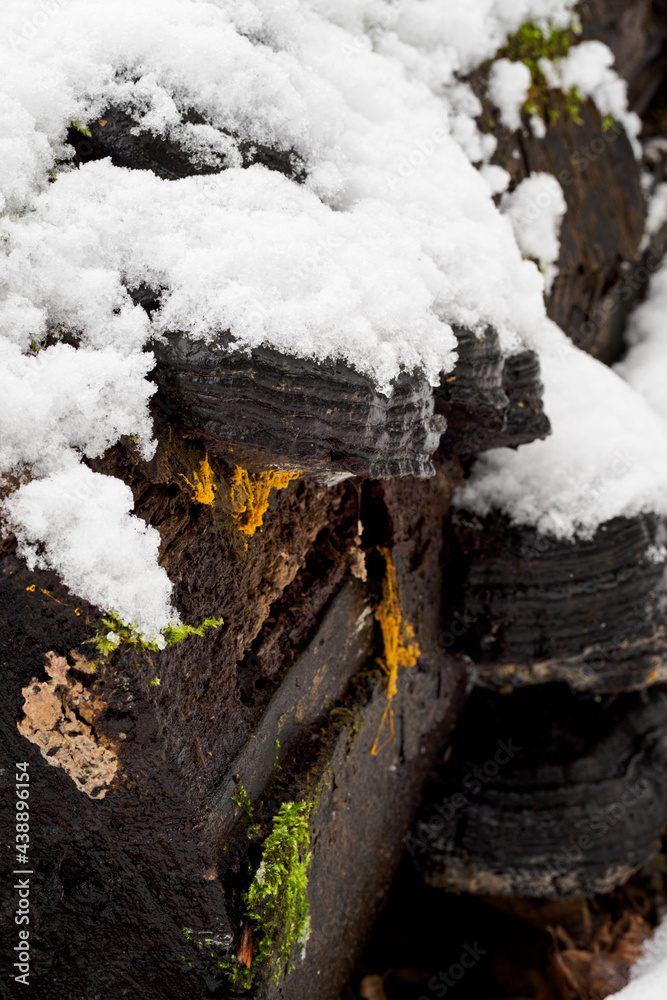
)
(277, 766)
(277, 900)
(529, 45)
(81, 128)
(128, 635)
(573, 103)
(241, 800)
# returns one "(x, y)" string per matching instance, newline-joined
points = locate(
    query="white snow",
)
(392, 239)
(459, 36)
(78, 522)
(509, 83)
(656, 212)
(538, 127)
(606, 456)
(645, 365)
(588, 67)
(80, 400)
(536, 208)
(648, 976)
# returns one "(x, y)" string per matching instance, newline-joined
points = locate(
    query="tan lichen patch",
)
(250, 495)
(399, 648)
(203, 488)
(59, 715)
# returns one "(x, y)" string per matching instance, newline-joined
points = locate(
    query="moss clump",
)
(277, 899)
(81, 128)
(112, 632)
(241, 799)
(529, 45)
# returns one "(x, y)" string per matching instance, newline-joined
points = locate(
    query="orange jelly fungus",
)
(400, 649)
(250, 495)
(203, 487)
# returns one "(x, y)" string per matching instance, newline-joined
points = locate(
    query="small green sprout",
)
(113, 632)
(81, 128)
(531, 44)
(241, 800)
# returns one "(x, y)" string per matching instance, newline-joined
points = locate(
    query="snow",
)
(77, 522)
(645, 365)
(536, 208)
(509, 83)
(606, 456)
(588, 67)
(391, 240)
(81, 400)
(648, 977)
(656, 213)
(459, 36)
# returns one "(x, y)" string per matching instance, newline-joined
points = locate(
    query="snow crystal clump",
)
(77, 523)
(648, 977)
(645, 365)
(656, 212)
(509, 83)
(606, 456)
(536, 208)
(75, 400)
(588, 67)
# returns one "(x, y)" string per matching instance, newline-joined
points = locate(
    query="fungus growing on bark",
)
(400, 649)
(203, 487)
(250, 495)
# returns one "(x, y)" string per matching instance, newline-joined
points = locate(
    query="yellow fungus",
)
(49, 594)
(250, 495)
(203, 486)
(399, 648)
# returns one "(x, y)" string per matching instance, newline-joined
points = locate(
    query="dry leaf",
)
(608, 975)
(372, 988)
(244, 950)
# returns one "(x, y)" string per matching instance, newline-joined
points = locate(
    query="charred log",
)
(529, 608)
(291, 412)
(547, 795)
(116, 134)
(490, 400)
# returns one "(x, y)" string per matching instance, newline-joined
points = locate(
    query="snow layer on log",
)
(588, 68)
(78, 523)
(606, 456)
(367, 253)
